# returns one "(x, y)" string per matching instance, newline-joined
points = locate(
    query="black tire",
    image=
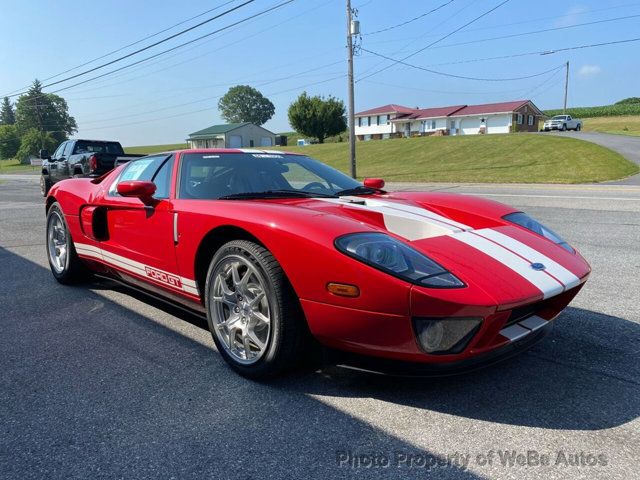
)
(288, 333)
(45, 184)
(73, 270)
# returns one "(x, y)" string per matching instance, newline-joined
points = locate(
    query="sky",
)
(301, 46)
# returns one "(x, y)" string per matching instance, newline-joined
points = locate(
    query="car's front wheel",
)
(253, 314)
(45, 184)
(66, 266)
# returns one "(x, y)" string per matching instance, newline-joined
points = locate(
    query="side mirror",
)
(139, 189)
(44, 154)
(376, 183)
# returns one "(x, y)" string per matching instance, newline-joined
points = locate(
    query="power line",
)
(166, 39)
(538, 52)
(465, 6)
(231, 44)
(395, 62)
(522, 22)
(173, 48)
(131, 44)
(408, 21)
(271, 94)
(533, 32)
(444, 74)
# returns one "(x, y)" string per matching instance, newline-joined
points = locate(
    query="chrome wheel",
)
(240, 309)
(57, 242)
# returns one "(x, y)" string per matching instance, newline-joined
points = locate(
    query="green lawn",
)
(507, 158)
(155, 148)
(13, 166)
(623, 125)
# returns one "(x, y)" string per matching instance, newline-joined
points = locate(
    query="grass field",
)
(13, 166)
(623, 125)
(492, 158)
(615, 110)
(155, 148)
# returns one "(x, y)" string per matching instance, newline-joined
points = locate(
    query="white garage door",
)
(266, 142)
(235, 141)
(469, 126)
(498, 124)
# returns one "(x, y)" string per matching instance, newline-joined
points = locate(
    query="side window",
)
(58, 153)
(162, 179)
(143, 169)
(67, 149)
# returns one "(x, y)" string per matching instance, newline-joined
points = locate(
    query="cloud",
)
(587, 71)
(571, 17)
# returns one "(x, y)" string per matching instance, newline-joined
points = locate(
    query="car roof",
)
(230, 150)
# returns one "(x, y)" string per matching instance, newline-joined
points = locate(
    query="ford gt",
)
(283, 253)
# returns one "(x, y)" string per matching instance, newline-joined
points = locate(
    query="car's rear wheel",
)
(45, 184)
(65, 264)
(253, 314)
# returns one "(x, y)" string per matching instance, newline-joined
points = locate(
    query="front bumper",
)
(457, 367)
(381, 337)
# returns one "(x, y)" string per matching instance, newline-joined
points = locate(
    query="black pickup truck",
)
(80, 158)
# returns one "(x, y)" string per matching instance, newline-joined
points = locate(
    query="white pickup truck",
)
(562, 122)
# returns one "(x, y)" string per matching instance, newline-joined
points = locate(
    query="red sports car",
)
(284, 253)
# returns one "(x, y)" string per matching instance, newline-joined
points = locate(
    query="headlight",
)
(529, 223)
(394, 257)
(445, 335)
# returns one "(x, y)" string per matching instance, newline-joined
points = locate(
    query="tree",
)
(243, 103)
(7, 115)
(9, 141)
(32, 141)
(317, 117)
(45, 112)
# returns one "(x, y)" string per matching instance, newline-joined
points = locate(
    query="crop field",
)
(601, 111)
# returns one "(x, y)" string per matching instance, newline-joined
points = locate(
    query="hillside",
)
(491, 158)
(155, 148)
(622, 125)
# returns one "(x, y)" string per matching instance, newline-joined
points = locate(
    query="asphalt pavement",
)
(98, 382)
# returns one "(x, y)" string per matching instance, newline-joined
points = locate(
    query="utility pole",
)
(566, 89)
(352, 120)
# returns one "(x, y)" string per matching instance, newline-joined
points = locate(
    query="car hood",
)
(469, 237)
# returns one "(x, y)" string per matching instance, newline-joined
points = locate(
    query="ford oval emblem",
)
(538, 266)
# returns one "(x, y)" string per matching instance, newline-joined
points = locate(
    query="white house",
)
(377, 123)
(504, 117)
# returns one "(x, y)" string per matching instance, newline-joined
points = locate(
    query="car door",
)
(63, 161)
(140, 238)
(54, 164)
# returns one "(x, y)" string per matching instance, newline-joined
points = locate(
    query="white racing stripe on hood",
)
(545, 283)
(552, 267)
(407, 221)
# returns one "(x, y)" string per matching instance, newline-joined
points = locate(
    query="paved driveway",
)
(626, 145)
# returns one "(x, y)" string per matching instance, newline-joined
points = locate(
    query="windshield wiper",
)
(360, 190)
(275, 194)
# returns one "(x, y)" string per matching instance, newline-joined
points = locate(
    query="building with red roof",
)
(398, 121)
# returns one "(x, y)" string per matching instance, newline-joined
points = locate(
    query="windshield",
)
(559, 117)
(212, 176)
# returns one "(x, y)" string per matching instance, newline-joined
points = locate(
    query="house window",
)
(367, 138)
(359, 121)
(433, 124)
(530, 120)
(388, 119)
(378, 120)
(519, 118)
(368, 121)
